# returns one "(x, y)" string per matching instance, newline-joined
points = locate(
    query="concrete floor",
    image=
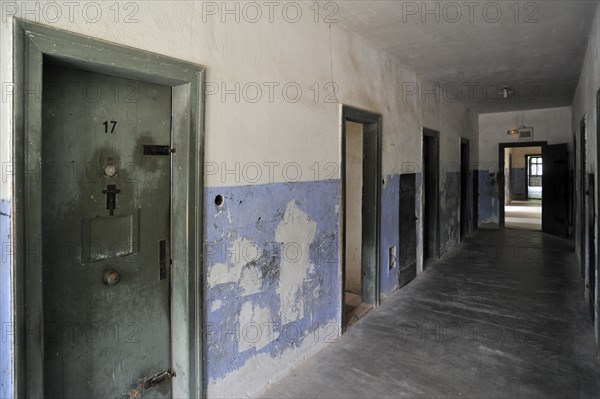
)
(503, 317)
(354, 309)
(525, 215)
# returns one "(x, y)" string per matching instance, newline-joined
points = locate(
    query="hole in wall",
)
(219, 200)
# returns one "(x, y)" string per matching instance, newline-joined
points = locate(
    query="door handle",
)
(112, 277)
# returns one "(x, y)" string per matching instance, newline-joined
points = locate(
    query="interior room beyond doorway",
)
(523, 170)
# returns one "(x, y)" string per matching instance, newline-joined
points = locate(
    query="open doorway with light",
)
(534, 187)
(523, 168)
(361, 174)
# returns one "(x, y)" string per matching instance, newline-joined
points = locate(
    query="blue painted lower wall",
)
(6, 339)
(271, 258)
(273, 292)
(489, 211)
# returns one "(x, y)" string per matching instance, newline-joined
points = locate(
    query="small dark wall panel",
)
(518, 182)
(408, 230)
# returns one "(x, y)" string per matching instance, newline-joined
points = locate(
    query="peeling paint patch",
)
(216, 305)
(272, 261)
(253, 317)
(450, 211)
(489, 211)
(296, 232)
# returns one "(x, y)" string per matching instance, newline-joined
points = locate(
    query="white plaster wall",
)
(519, 154)
(551, 124)
(5, 106)
(240, 131)
(303, 53)
(353, 209)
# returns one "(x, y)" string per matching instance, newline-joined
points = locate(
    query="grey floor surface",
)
(523, 215)
(503, 317)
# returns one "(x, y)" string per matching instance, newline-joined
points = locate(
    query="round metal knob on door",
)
(112, 277)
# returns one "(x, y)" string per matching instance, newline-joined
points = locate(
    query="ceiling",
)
(472, 51)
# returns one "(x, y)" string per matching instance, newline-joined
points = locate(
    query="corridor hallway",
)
(501, 317)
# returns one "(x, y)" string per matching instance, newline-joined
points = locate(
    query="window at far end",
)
(535, 166)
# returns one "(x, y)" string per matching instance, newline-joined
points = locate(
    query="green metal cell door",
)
(106, 181)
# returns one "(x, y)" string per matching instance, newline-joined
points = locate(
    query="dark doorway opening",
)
(408, 229)
(431, 167)
(475, 201)
(581, 193)
(591, 247)
(361, 176)
(595, 275)
(464, 187)
(555, 182)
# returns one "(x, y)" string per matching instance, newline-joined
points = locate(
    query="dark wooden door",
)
(408, 230)
(591, 239)
(555, 181)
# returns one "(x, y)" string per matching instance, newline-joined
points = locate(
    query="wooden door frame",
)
(357, 115)
(501, 148)
(33, 42)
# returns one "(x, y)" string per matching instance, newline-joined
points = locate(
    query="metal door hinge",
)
(147, 383)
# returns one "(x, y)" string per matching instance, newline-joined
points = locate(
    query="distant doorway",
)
(431, 193)
(523, 168)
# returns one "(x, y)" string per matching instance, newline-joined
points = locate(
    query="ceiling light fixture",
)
(505, 92)
(522, 127)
